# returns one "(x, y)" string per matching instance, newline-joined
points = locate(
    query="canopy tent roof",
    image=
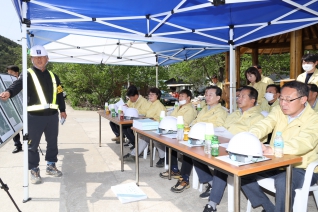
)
(281, 43)
(195, 24)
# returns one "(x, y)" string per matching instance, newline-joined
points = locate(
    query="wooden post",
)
(238, 66)
(227, 67)
(254, 56)
(296, 53)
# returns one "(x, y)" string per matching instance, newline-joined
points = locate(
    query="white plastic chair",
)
(301, 197)
(195, 180)
(154, 155)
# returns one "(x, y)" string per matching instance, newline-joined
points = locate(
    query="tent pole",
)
(232, 75)
(24, 103)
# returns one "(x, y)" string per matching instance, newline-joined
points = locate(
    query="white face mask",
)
(308, 67)
(182, 102)
(269, 96)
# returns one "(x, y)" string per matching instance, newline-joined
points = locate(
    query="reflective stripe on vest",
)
(44, 104)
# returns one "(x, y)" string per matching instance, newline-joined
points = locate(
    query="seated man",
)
(187, 111)
(271, 98)
(239, 121)
(214, 113)
(312, 98)
(135, 101)
(297, 122)
(153, 112)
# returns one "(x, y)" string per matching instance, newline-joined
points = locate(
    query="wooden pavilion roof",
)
(281, 43)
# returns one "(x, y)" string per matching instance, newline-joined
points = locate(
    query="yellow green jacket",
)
(300, 136)
(312, 80)
(266, 107)
(261, 89)
(155, 109)
(216, 115)
(187, 111)
(267, 80)
(316, 106)
(141, 105)
(219, 84)
(238, 122)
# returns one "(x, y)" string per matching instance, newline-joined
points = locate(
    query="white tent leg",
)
(156, 76)
(25, 115)
(232, 76)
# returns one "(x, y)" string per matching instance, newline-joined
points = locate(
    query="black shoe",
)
(206, 194)
(17, 149)
(209, 208)
(131, 148)
(161, 162)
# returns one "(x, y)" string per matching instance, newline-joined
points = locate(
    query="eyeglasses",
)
(288, 100)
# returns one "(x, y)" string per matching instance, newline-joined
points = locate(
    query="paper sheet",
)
(190, 145)
(129, 192)
(226, 159)
(225, 145)
(221, 131)
(118, 104)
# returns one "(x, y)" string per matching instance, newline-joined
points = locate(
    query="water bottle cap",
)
(278, 133)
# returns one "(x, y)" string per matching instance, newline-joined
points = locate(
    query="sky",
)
(9, 21)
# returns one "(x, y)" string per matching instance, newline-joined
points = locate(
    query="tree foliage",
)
(10, 54)
(92, 85)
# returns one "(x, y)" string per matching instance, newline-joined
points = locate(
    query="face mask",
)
(182, 102)
(307, 67)
(269, 96)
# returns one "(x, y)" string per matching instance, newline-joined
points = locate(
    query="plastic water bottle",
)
(279, 145)
(207, 144)
(215, 146)
(176, 104)
(180, 128)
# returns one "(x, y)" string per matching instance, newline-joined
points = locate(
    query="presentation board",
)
(10, 111)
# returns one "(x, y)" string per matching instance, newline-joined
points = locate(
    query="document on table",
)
(190, 145)
(169, 135)
(129, 192)
(227, 159)
(221, 131)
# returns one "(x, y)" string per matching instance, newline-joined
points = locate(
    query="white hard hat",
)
(38, 51)
(131, 113)
(197, 131)
(244, 146)
(168, 124)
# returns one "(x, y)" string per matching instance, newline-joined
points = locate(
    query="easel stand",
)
(6, 188)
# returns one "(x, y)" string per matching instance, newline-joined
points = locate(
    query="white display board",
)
(10, 117)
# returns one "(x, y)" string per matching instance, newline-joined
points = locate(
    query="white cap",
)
(162, 114)
(38, 51)
(180, 120)
(198, 106)
(209, 129)
(120, 108)
(106, 103)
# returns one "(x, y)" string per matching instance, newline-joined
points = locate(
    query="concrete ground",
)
(89, 171)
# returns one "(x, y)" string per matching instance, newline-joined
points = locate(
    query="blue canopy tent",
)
(174, 30)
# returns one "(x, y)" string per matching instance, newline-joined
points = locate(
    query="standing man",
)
(14, 71)
(215, 82)
(45, 98)
(264, 79)
(311, 73)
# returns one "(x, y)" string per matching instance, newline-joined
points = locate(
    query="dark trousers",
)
(257, 197)
(38, 125)
(17, 141)
(115, 128)
(187, 163)
(129, 133)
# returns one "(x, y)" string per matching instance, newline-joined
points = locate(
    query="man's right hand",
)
(4, 95)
